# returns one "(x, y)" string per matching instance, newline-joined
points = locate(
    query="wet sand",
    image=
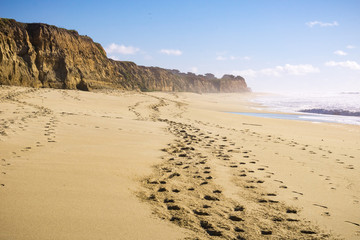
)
(128, 165)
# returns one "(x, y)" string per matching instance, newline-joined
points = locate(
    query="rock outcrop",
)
(41, 55)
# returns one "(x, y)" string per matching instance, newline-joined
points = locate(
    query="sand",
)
(129, 165)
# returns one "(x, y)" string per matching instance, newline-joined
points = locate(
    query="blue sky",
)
(283, 45)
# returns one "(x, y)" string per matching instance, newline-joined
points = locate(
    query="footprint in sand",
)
(200, 213)
(237, 229)
(266, 232)
(235, 218)
(307, 232)
(276, 219)
(211, 198)
(173, 207)
(318, 205)
(210, 229)
(350, 167)
(291, 211)
(298, 192)
(166, 200)
(326, 214)
(162, 189)
(292, 220)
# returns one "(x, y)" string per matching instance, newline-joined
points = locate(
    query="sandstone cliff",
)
(41, 55)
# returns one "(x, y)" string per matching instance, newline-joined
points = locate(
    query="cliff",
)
(41, 55)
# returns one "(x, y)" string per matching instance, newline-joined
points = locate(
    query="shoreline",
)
(138, 165)
(301, 116)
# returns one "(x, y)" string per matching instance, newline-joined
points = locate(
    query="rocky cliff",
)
(40, 55)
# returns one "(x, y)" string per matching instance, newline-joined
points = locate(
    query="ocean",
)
(343, 107)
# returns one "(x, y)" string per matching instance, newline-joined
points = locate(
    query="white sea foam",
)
(329, 107)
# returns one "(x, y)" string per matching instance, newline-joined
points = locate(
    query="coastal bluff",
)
(40, 55)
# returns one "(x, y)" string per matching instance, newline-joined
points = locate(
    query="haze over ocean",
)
(341, 107)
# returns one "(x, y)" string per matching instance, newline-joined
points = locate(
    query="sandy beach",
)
(154, 165)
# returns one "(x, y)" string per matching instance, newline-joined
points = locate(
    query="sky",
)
(276, 45)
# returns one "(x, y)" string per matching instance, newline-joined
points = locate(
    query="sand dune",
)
(128, 165)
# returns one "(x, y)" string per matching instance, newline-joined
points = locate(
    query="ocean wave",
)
(331, 112)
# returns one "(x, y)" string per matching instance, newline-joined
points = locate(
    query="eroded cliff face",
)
(40, 55)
